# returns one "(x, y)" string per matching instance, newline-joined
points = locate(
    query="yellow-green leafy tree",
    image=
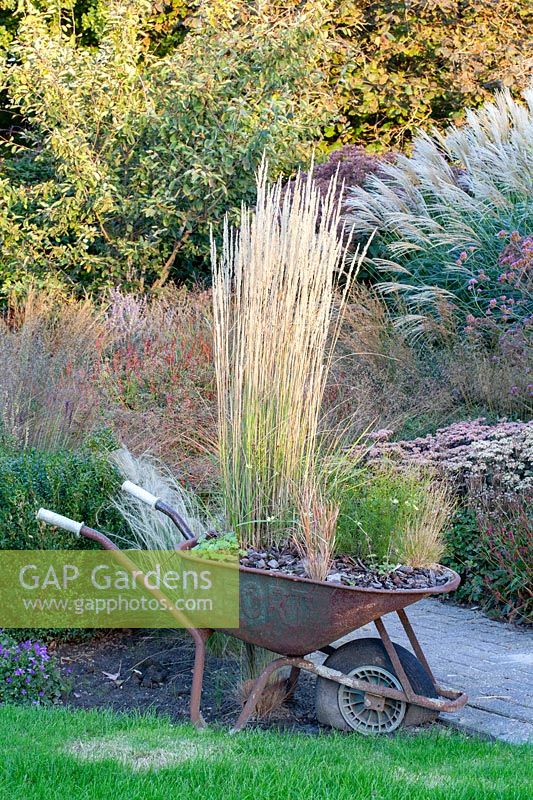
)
(127, 158)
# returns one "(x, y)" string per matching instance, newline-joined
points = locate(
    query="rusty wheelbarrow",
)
(369, 685)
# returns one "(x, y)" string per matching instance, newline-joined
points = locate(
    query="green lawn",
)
(46, 755)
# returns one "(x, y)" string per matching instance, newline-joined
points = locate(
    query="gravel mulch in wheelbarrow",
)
(348, 571)
(152, 671)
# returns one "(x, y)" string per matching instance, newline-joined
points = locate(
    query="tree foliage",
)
(132, 125)
(399, 63)
(128, 158)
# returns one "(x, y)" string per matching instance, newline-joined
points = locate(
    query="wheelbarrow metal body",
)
(295, 616)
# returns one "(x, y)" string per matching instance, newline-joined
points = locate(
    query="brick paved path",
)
(491, 661)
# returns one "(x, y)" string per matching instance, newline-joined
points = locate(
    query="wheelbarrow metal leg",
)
(396, 663)
(292, 680)
(257, 690)
(458, 698)
(200, 638)
(452, 694)
(415, 644)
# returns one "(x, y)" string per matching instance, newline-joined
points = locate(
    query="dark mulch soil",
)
(348, 571)
(152, 671)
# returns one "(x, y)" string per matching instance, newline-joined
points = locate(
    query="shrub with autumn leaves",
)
(97, 189)
(397, 65)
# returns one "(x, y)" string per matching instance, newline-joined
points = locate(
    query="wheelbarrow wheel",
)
(366, 659)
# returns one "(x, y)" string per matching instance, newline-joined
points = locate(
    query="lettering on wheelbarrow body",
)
(295, 617)
(281, 615)
(262, 602)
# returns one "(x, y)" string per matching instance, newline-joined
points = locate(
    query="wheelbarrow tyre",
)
(368, 658)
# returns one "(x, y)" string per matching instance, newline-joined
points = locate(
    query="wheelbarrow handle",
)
(78, 528)
(58, 521)
(159, 505)
(141, 494)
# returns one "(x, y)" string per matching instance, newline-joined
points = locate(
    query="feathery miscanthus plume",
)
(452, 196)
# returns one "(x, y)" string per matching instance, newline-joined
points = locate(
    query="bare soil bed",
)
(152, 671)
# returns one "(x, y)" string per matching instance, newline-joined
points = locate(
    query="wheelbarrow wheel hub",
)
(354, 709)
(370, 713)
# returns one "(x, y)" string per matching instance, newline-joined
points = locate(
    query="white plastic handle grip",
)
(140, 493)
(59, 521)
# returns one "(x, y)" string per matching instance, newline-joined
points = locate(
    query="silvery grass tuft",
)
(438, 212)
(277, 312)
(151, 530)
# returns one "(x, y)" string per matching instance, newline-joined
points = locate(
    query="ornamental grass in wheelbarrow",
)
(325, 546)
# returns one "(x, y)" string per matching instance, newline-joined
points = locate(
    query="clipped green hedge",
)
(76, 484)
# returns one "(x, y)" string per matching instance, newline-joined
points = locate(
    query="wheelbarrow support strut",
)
(448, 700)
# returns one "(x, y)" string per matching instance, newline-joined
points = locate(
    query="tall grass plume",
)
(421, 543)
(276, 321)
(314, 535)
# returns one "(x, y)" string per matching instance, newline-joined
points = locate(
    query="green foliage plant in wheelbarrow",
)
(280, 286)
